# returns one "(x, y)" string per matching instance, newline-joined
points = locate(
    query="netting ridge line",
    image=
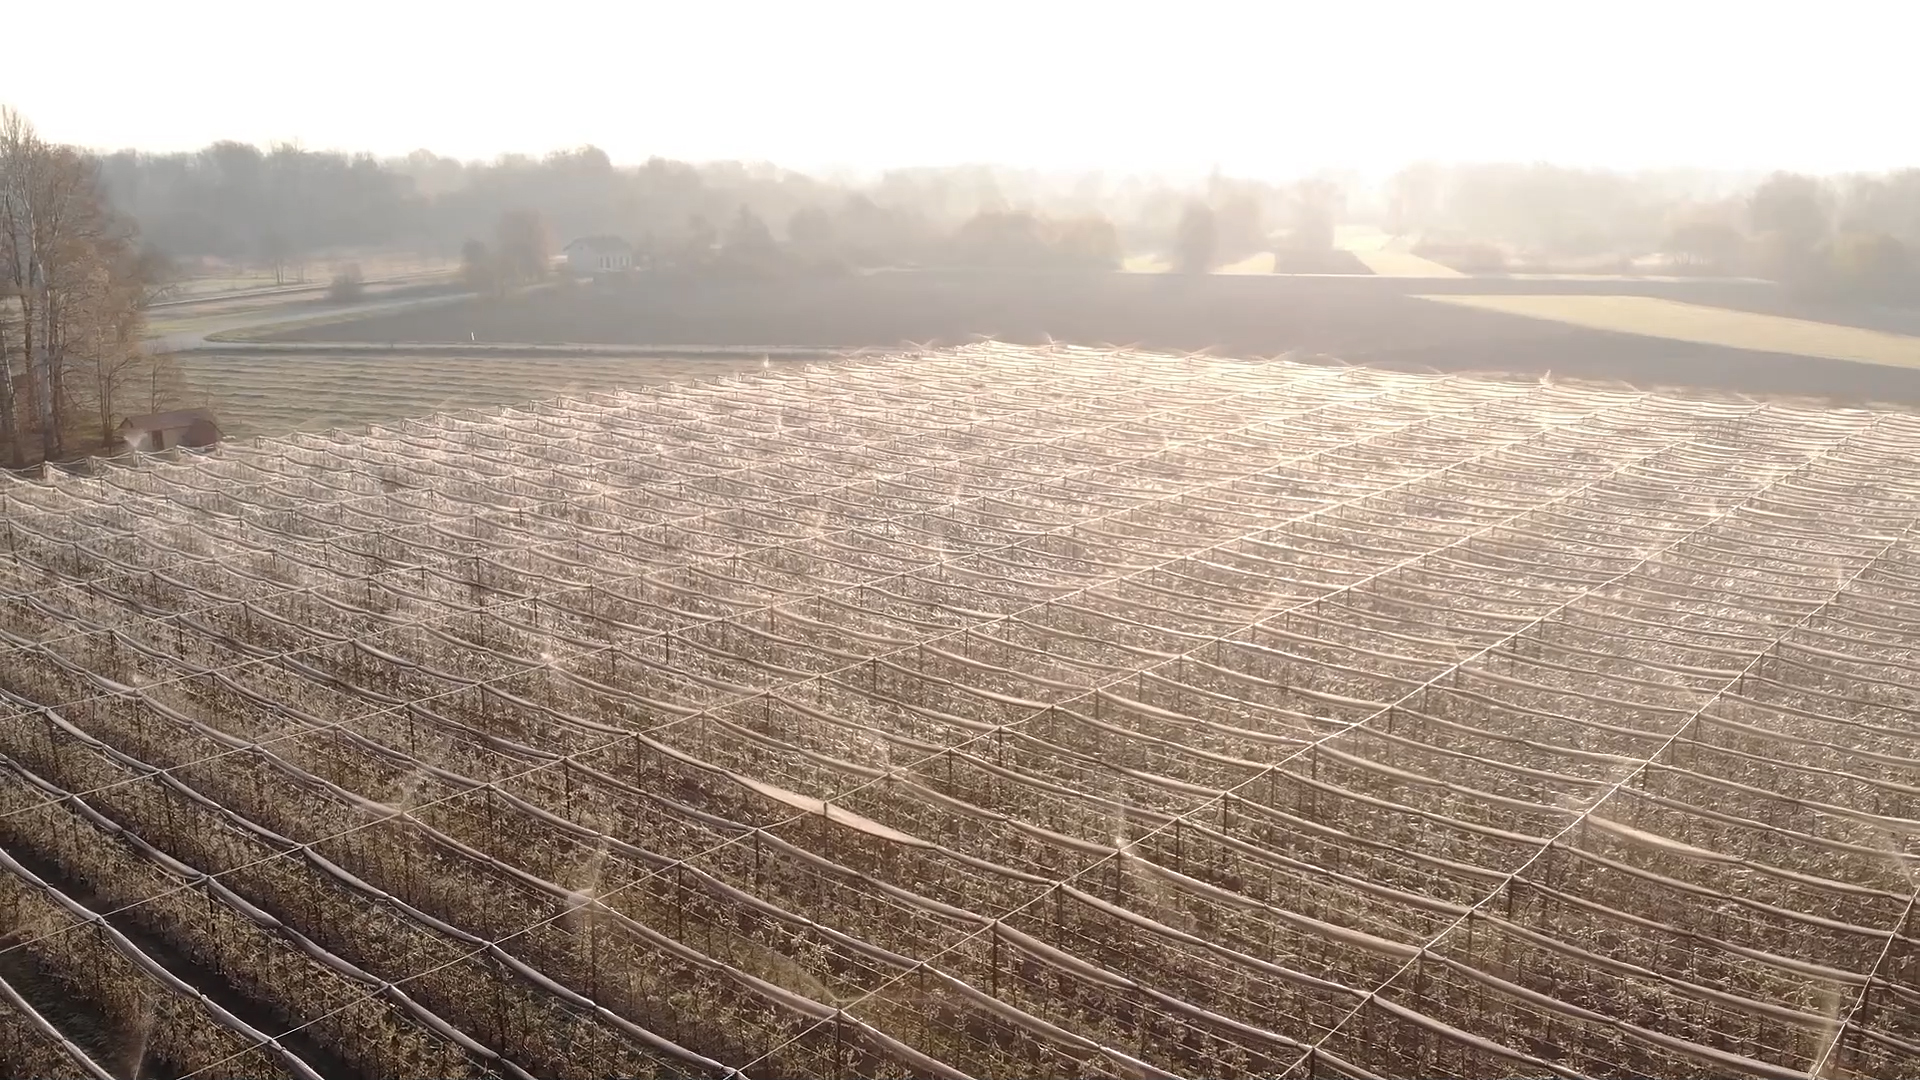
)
(251, 913)
(256, 745)
(1377, 435)
(1457, 664)
(154, 970)
(74, 1051)
(548, 579)
(962, 375)
(421, 623)
(1323, 509)
(854, 588)
(306, 851)
(1819, 1069)
(1673, 803)
(866, 362)
(703, 420)
(1584, 814)
(1791, 739)
(469, 516)
(1682, 806)
(680, 522)
(282, 478)
(1178, 817)
(1791, 711)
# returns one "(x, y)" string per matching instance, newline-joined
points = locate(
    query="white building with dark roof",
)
(599, 255)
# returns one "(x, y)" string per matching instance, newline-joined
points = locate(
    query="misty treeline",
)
(74, 284)
(281, 207)
(1855, 234)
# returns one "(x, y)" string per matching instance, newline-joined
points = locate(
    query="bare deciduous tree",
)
(523, 246)
(1196, 241)
(73, 289)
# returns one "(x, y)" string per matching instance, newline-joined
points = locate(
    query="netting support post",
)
(993, 959)
(679, 903)
(499, 1004)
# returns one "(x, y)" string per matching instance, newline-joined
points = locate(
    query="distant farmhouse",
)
(599, 255)
(192, 428)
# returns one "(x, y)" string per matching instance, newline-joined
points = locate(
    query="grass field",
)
(277, 310)
(277, 393)
(221, 277)
(1260, 262)
(1382, 256)
(1404, 264)
(1700, 324)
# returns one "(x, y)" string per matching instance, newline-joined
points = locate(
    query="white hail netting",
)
(994, 711)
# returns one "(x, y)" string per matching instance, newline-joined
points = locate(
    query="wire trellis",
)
(993, 711)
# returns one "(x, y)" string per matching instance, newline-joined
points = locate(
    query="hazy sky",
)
(1258, 88)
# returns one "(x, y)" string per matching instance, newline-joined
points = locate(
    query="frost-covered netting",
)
(996, 712)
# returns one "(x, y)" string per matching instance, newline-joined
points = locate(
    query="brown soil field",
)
(1359, 319)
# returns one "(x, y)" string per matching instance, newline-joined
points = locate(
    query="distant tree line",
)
(1847, 235)
(1852, 236)
(74, 286)
(283, 206)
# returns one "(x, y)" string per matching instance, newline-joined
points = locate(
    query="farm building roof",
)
(994, 711)
(599, 244)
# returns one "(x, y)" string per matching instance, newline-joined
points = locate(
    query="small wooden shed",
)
(192, 428)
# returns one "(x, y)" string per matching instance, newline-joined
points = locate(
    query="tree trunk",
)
(105, 392)
(30, 349)
(9, 409)
(44, 383)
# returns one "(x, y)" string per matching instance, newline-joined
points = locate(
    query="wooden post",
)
(836, 1043)
(993, 960)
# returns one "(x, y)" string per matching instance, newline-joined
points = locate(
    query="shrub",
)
(1870, 264)
(347, 285)
(1196, 241)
